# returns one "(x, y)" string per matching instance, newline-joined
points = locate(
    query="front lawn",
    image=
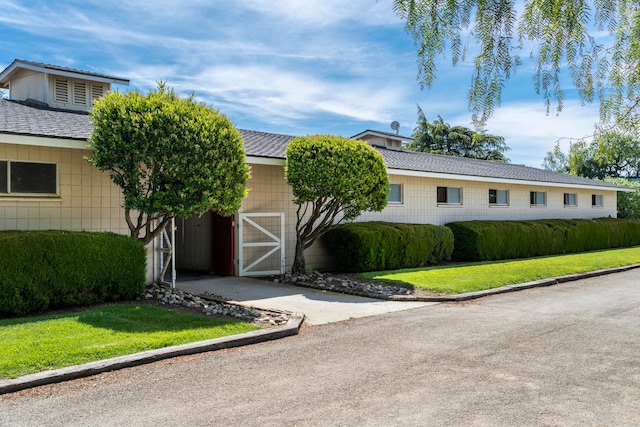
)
(34, 344)
(460, 278)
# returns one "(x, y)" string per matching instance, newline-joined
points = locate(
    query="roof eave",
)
(382, 135)
(18, 64)
(439, 175)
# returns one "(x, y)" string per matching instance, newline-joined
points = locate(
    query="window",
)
(538, 198)
(395, 193)
(450, 195)
(28, 177)
(570, 199)
(596, 199)
(499, 197)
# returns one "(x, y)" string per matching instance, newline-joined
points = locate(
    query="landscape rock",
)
(214, 305)
(346, 285)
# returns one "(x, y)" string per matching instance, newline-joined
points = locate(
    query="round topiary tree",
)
(171, 156)
(334, 179)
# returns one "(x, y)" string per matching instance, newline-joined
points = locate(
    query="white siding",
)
(27, 84)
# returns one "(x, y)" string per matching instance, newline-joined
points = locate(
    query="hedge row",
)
(43, 270)
(494, 240)
(370, 246)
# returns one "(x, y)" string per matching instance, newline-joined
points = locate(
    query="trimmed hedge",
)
(495, 240)
(370, 246)
(43, 270)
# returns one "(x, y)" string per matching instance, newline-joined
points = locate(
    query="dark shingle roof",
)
(435, 163)
(17, 118)
(263, 144)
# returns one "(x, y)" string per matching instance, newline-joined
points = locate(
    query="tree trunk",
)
(299, 261)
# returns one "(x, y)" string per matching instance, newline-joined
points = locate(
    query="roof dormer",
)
(55, 86)
(387, 140)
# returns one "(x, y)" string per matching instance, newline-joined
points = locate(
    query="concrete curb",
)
(510, 288)
(79, 371)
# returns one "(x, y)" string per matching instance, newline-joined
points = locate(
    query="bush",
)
(370, 246)
(494, 240)
(43, 270)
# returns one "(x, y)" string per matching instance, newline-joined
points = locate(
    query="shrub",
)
(43, 270)
(493, 240)
(369, 246)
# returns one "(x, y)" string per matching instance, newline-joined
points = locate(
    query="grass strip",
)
(460, 278)
(34, 344)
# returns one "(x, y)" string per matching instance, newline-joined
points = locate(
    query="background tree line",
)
(611, 156)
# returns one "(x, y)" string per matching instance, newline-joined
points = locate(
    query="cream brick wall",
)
(420, 205)
(87, 200)
(269, 192)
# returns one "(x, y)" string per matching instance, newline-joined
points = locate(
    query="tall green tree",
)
(610, 154)
(438, 137)
(558, 35)
(171, 156)
(556, 160)
(333, 179)
(628, 202)
(612, 157)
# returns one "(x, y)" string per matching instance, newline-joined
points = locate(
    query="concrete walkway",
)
(319, 307)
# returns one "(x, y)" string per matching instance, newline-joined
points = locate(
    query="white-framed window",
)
(596, 200)
(449, 195)
(395, 194)
(538, 198)
(18, 177)
(499, 197)
(570, 199)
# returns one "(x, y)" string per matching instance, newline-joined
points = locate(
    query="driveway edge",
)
(292, 327)
(511, 288)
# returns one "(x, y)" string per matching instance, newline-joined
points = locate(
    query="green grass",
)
(34, 344)
(460, 278)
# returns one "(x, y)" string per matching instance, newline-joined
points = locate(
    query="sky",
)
(294, 67)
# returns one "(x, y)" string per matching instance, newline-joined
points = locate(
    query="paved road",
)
(560, 356)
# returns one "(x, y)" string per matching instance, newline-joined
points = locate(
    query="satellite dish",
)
(395, 126)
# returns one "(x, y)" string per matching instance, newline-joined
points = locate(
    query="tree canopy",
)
(333, 179)
(610, 154)
(596, 42)
(439, 137)
(613, 157)
(171, 156)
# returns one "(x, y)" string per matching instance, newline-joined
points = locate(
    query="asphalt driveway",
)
(561, 355)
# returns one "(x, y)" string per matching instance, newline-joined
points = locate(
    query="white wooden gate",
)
(167, 254)
(261, 244)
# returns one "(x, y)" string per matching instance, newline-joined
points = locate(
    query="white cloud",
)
(272, 93)
(325, 12)
(531, 133)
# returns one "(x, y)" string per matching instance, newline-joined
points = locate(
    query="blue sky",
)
(286, 66)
